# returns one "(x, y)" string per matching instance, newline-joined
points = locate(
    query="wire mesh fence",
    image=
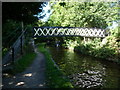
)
(15, 50)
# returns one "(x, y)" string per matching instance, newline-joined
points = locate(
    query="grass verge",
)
(25, 60)
(21, 64)
(55, 77)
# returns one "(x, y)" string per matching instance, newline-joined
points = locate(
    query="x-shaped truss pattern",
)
(68, 31)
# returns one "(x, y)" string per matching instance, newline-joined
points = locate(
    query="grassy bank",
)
(55, 78)
(23, 62)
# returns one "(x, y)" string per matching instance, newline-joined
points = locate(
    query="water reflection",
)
(85, 71)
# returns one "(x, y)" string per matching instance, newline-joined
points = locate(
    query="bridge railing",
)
(68, 31)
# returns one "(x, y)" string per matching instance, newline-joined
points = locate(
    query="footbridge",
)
(69, 31)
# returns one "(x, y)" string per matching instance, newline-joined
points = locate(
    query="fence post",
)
(21, 39)
(13, 54)
(21, 45)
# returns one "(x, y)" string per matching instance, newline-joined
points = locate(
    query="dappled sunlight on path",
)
(32, 77)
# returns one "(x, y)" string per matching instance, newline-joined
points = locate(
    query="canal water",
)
(85, 71)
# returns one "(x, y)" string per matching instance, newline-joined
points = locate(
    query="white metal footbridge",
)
(69, 31)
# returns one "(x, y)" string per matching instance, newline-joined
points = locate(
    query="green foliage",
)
(54, 76)
(23, 62)
(88, 14)
(115, 32)
(4, 51)
(29, 30)
(105, 53)
(82, 14)
(83, 49)
(107, 49)
(10, 32)
(14, 11)
(70, 44)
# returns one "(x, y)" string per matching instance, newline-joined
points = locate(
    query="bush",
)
(107, 49)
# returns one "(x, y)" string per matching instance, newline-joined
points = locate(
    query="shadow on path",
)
(32, 77)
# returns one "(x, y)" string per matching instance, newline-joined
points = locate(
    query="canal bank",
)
(55, 77)
(85, 71)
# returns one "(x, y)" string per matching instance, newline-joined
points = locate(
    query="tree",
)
(20, 11)
(12, 15)
(82, 14)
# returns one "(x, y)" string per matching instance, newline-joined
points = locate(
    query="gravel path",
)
(32, 77)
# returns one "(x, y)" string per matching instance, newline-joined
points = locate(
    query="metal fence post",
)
(21, 45)
(13, 54)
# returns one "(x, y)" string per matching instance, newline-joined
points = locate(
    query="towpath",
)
(32, 77)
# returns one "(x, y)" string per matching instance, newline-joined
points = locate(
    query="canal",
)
(85, 71)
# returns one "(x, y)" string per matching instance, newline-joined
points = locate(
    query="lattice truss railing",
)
(68, 31)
